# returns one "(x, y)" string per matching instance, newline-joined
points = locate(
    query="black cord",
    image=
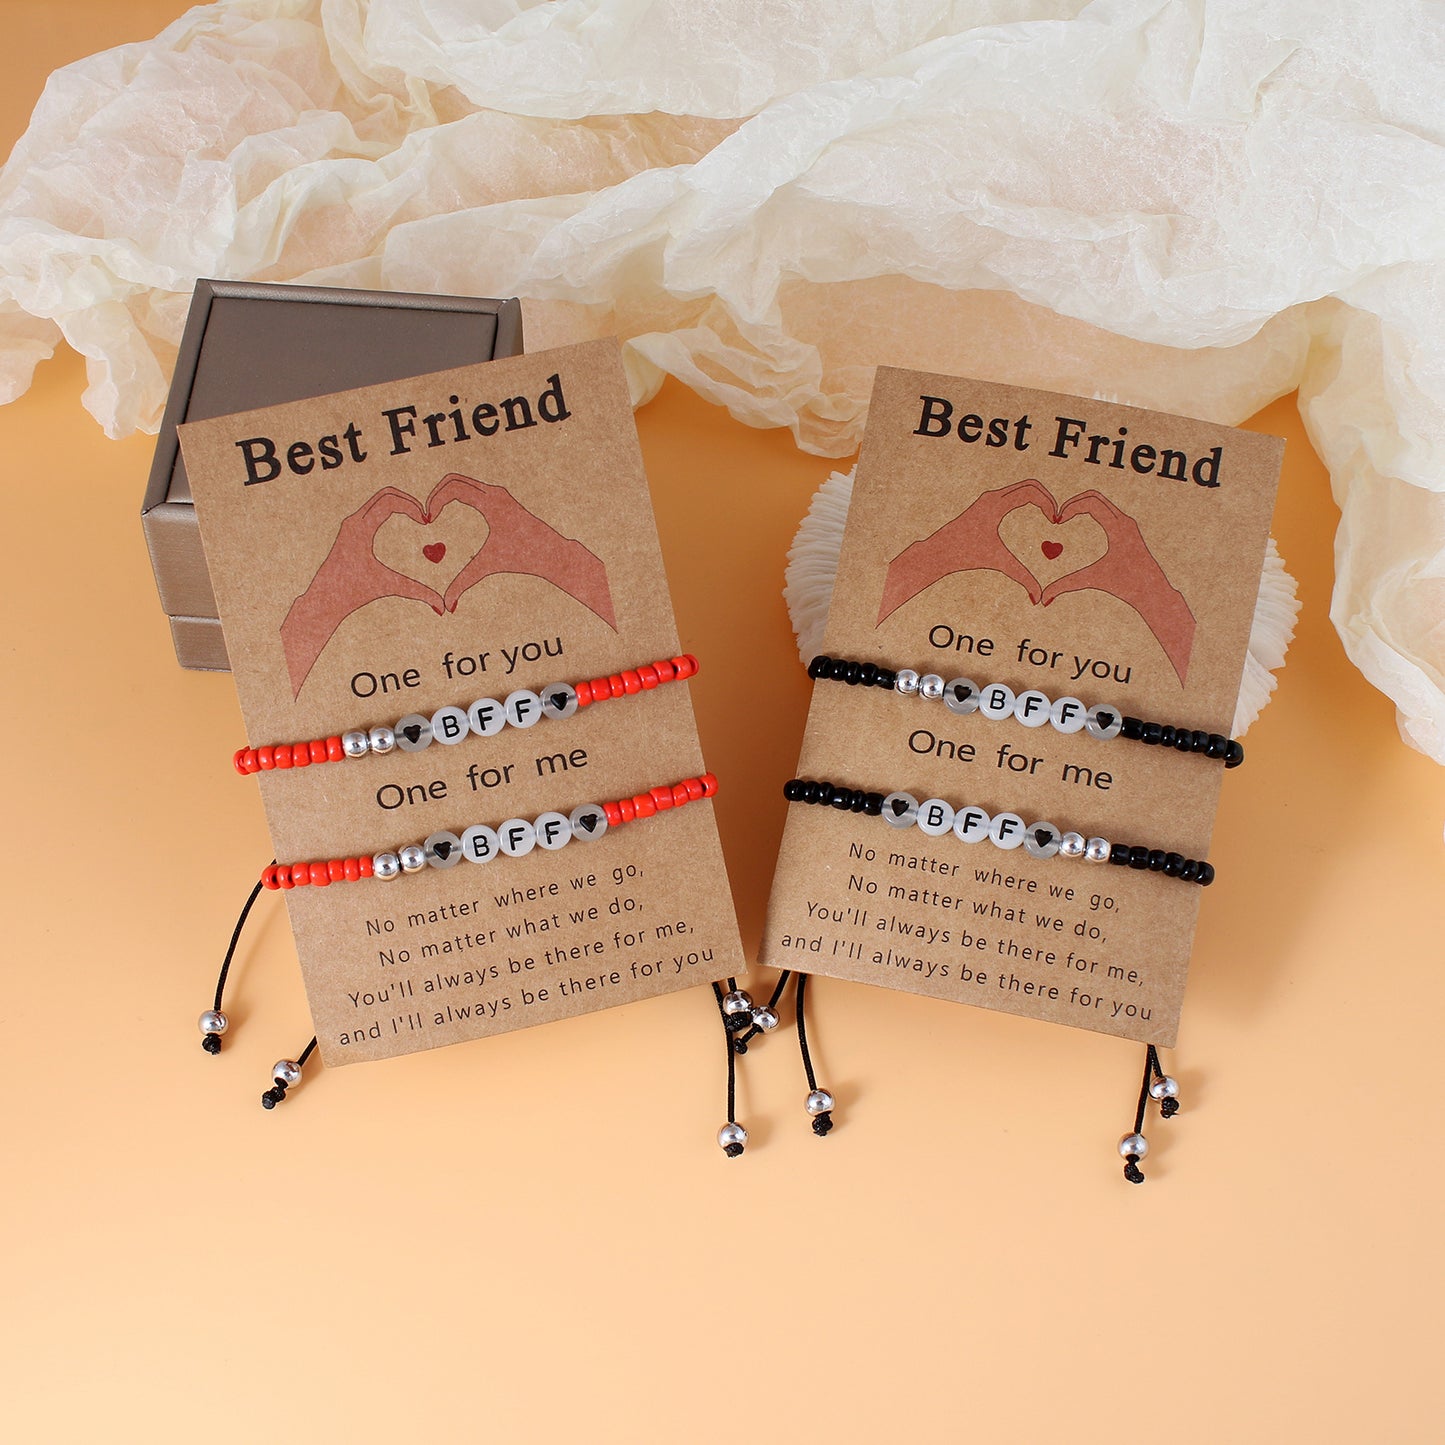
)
(1132, 1172)
(211, 1041)
(823, 1117)
(731, 1146)
(741, 1042)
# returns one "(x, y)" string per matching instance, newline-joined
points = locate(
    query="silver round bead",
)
(1135, 1144)
(820, 1101)
(355, 744)
(412, 858)
(1072, 845)
(930, 685)
(732, 1134)
(906, 681)
(382, 739)
(213, 1021)
(1096, 850)
(737, 1002)
(765, 1017)
(286, 1071)
(385, 866)
(1164, 1087)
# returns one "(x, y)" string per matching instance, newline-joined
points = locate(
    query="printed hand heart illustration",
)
(433, 552)
(1050, 549)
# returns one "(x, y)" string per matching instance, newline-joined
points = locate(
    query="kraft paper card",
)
(1056, 545)
(383, 554)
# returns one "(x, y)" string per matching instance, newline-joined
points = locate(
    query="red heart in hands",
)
(1051, 549)
(434, 551)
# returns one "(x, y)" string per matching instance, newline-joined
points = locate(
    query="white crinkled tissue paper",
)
(1200, 204)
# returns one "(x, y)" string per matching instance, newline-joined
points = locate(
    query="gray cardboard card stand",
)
(255, 344)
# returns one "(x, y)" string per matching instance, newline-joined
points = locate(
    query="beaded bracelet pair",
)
(484, 718)
(1032, 708)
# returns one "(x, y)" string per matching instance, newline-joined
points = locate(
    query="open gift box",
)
(252, 344)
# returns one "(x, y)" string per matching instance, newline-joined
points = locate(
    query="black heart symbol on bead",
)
(588, 821)
(1105, 719)
(558, 700)
(961, 692)
(442, 850)
(412, 733)
(899, 807)
(1043, 837)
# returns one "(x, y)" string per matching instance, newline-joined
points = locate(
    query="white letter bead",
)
(488, 717)
(1041, 840)
(450, 725)
(1007, 830)
(930, 685)
(1031, 708)
(996, 701)
(935, 817)
(553, 831)
(961, 695)
(413, 732)
(971, 825)
(443, 850)
(1067, 714)
(479, 843)
(1104, 722)
(559, 700)
(523, 708)
(516, 837)
(588, 821)
(900, 810)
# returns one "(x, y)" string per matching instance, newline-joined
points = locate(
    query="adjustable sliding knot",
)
(822, 1123)
(273, 1096)
(1132, 1171)
(211, 1043)
(285, 1074)
(1168, 1108)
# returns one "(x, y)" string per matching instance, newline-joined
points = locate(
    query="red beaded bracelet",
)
(515, 838)
(484, 718)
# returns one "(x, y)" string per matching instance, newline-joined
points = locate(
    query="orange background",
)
(536, 1238)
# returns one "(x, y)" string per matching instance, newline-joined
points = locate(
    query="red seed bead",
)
(664, 669)
(679, 795)
(709, 785)
(268, 877)
(681, 667)
(319, 751)
(584, 693)
(643, 805)
(694, 664)
(627, 808)
(601, 689)
(614, 815)
(266, 759)
(632, 684)
(282, 754)
(283, 877)
(336, 869)
(238, 761)
(694, 788)
(662, 797)
(320, 875)
(351, 869)
(619, 688)
(335, 750)
(300, 875)
(647, 676)
(300, 755)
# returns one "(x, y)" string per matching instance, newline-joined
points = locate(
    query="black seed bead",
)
(1191, 870)
(1206, 875)
(1156, 860)
(1217, 747)
(838, 669)
(842, 799)
(886, 678)
(794, 789)
(1182, 739)
(819, 666)
(854, 675)
(1151, 734)
(1138, 857)
(873, 804)
(1173, 862)
(1233, 754)
(1198, 741)
(1168, 736)
(812, 792)
(869, 674)
(1119, 854)
(860, 801)
(1131, 728)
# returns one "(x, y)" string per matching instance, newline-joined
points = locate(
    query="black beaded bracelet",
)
(1032, 708)
(935, 817)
